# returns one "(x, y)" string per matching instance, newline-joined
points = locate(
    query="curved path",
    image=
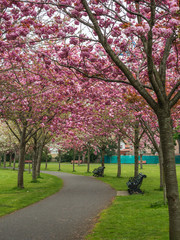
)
(66, 215)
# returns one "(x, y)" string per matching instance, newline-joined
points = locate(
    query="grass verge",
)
(12, 198)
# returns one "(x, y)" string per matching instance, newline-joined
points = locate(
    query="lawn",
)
(129, 217)
(12, 198)
(136, 216)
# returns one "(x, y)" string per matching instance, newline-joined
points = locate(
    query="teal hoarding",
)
(130, 159)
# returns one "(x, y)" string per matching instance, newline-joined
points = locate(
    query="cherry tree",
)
(8, 144)
(133, 42)
(34, 103)
(139, 39)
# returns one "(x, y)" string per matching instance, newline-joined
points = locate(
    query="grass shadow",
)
(158, 204)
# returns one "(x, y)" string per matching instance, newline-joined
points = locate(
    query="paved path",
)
(66, 215)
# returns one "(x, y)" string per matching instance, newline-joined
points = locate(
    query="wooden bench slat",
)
(28, 161)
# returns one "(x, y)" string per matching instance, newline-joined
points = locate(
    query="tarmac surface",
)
(67, 215)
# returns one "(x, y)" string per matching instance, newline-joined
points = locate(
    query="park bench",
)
(29, 162)
(98, 172)
(144, 162)
(134, 183)
(77, 161)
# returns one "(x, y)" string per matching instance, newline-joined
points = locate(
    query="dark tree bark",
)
(160, 154)
(88, 159)
(103, 148)
(5, 156)
(158, 148)
(179, 144)
(16, 158)
(167, 142)
(59, 159)
(34, 159)
(22, 151)
(43, 139)
(119, 157)
(14, 161)
(136, 148)
(11, 159)
(141, 163)
(38, 166)
(74, 155)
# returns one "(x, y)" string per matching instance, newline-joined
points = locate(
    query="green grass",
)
(136, 216)
(67, 167)
(129, 217)
(12, 198)
(139, 217)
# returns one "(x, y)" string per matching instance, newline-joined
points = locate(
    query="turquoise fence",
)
(177, 158)
(130, 159)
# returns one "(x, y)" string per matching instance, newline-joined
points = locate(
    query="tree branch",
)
(136, 84)
(152, 72)
(133, 13)
(12, 131)
(162, 67)
(96, 76)
(174, 89)
(175, 99)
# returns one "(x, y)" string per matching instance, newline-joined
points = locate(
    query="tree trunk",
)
(22, 148)
(79, 158)
(141, 163)
(74, 154)
(38, 165)
(88, 159)
(4, 159)
(0, 159)
(103, 154)
(10, 160)
(119, 157)
(158, 148)
(59, 155)
(136, 148)
(46, 164)
(162, 177)
(14, 162)
(34, 160)
(83, 157)
(166, 134)
(179, 145)
(15, 158)
(160, 154)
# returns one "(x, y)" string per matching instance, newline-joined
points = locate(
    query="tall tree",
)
(139, 38)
